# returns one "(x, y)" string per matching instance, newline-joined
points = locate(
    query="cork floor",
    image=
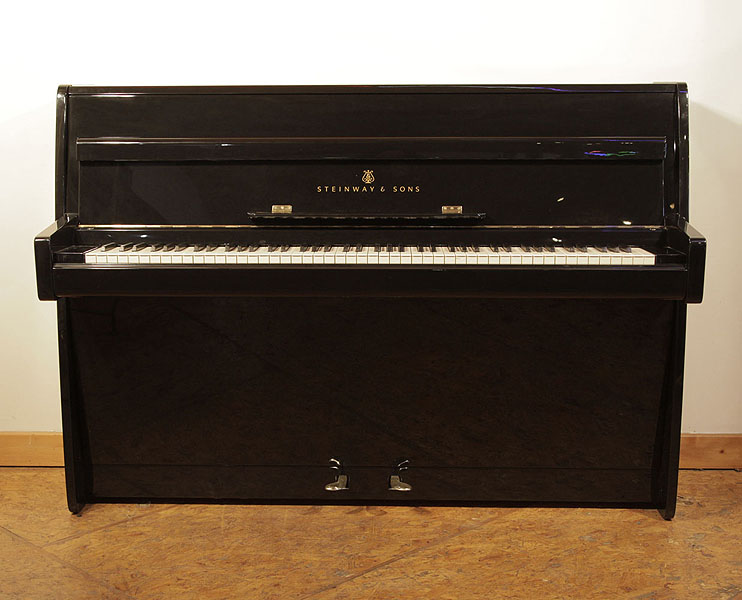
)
(210, 551)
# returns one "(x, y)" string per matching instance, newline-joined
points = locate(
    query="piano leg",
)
(670, 458)
(73, 471)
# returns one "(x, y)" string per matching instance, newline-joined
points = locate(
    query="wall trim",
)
(711, 451)
(697, 450)
(31, 449)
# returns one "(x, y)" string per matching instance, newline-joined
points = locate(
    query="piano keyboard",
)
(174, 254)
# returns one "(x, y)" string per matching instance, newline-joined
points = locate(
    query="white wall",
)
(153, 43)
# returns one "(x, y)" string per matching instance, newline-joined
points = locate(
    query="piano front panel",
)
(490, 400)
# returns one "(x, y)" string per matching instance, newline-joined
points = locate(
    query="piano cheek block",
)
(373, 301)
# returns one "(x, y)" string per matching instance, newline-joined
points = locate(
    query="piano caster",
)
(395, 480)
(341, 479)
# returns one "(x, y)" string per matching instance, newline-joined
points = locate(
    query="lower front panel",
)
(371, 484)
(489, 400)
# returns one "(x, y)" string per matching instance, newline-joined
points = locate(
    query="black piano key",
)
(210, 248)
(390, 248)
(180, 247)
(581, 248)
(549, 248)
(157, 247)
(109, 246)
(569, 248)
(359, 247)
(272, 248)
(328, 248)
(168, 247)
(253, 248)
(139, 247)
(452, 248)
(316, 248)
(199, 247)
(240, 248)
(346, 248)
(126, 247)
(285, 247)
(601, 249)
(625, 249)
(612, 248)
(304, 247)
(473, 248)
(526, 247)
(401, 248)
(377, 247)
(538, 248)
(461, 248)
(506, 248)
(421, 248)
(229, 247)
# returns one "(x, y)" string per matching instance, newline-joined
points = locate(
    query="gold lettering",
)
(367, 188)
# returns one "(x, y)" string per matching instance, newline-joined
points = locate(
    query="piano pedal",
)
(395, 480)
(341, 479)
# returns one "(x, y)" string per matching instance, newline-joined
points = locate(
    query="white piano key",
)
(383, 256)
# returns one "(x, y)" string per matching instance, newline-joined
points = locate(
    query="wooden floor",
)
(245, 552)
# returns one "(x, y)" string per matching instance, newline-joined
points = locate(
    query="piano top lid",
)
(521, 154)
(377, 89)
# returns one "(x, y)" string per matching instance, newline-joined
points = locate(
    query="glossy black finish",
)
(527, 192)
(373, 148)
(265, 384)
(668, 282)
(500, 385)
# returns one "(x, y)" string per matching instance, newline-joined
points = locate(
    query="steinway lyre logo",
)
(368, 176)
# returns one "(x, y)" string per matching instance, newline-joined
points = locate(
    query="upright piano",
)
(412, 295)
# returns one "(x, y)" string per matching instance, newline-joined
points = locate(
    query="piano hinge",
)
(452, 210)
(282, 209)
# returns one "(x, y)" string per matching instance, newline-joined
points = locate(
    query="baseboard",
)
(697, 450)
(31, 449)
(711, 451)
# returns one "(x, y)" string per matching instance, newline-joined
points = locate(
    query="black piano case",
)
(423, 385)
